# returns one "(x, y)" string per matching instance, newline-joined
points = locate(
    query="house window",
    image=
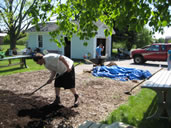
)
(40, 41)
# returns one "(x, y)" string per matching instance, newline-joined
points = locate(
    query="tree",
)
(114, 13)
(126, 36)
(15, 17)
(161, 40)
(143, 38)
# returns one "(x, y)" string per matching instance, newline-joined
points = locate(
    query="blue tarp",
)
(120, 73)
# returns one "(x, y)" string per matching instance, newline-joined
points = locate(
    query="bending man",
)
(63, 68)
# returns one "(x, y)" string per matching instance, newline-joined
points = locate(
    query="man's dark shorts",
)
(67, 80)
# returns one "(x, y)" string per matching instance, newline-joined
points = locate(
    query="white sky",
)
(167, 32)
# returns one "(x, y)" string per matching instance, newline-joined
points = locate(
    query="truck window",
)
(163, 47)
(154, 48)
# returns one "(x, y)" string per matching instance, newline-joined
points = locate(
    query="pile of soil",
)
(98, 98)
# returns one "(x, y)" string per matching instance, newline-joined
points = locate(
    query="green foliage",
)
(136, 110)
(14, 16)
(22, 41)
(6, 40)
(132, 39)
(119, 44)
(113, 13)
(19, 47)
(169, 41)
(143, 38)
(161, 40)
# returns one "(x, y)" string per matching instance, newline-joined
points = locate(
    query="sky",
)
(167, 32)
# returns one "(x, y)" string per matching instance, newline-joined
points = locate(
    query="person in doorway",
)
(99, 50)
(169, 59)
(62, 67)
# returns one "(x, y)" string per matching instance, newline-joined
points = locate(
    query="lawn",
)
(32, 66)
(136, 111)
(5, 47)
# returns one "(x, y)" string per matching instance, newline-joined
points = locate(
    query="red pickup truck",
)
(154, 52)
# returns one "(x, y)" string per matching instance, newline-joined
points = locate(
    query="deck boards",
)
(160, 80)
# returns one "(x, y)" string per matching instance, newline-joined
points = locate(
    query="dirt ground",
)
(98, 98)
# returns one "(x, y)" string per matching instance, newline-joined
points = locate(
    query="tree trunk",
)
(13, 41)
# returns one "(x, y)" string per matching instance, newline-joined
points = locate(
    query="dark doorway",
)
(67, 50)
(103, 41)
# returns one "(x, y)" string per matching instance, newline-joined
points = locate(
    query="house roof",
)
(2, 34)
(50, 26)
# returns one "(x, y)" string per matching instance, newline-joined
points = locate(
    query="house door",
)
(103, 41)
(67, 50)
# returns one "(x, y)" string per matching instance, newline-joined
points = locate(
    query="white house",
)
(2, 35)
(74, 48)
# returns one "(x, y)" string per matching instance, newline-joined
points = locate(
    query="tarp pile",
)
(120, 73)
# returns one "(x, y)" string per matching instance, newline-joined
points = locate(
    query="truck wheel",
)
(138, 60)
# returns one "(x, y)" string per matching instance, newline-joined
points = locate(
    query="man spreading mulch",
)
(98, 97)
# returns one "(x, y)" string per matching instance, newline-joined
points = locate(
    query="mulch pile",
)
(98, 98)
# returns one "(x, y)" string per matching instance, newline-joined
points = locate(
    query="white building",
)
(74, 48)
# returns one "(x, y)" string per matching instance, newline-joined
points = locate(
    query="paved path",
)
(151, 66)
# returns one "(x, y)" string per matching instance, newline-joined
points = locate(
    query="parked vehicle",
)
(154, 52)
(123, 53)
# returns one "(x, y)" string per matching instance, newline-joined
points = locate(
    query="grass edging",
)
(135, 110)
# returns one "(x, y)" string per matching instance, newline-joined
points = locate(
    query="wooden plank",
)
(158, 79)
(155, 81)
(150, 83)
(168, 82)
(86, 124)
(103, 126)
(164, 77)
(95, 125)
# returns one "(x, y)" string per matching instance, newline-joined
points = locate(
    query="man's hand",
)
(49, 81)
(69, 69)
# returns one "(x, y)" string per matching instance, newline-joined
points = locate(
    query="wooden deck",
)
(90, 124)
(161, 84)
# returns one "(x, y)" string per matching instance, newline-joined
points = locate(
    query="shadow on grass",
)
(15, 108)
(153, 123)
(10, 70)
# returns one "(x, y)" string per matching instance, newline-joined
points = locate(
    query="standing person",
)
(99, 50)
(63, 68)
(169, 58)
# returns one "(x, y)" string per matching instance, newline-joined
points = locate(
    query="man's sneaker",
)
(57, 101)
(76, 102)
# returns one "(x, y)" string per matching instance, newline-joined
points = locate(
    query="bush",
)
(2, 55)
(6, 40)
(21, 42)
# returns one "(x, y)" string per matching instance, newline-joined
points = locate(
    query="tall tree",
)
(114, 13)
(14, 15)
(143, 38)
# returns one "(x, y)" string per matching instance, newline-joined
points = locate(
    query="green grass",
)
(32, 66)
(5, 47)
(136, 110)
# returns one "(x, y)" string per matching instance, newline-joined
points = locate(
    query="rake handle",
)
(145, 79)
